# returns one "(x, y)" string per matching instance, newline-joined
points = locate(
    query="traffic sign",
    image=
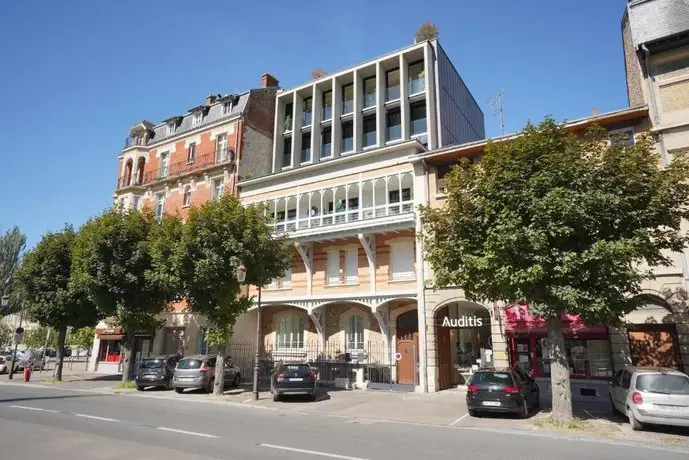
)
(19, 330)
(17, 338)
(398, 356)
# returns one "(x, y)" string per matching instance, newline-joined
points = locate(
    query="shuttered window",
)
(333, 269)
(352, 266)
(402, 261)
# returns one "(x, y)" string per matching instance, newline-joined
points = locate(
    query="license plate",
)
(150, 377)
(296, 379)
(491, 403)
(673, 408)
(186, 379)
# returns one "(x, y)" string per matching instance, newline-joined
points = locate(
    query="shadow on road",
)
(38, 398)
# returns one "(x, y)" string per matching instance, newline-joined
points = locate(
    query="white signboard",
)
(464, 321)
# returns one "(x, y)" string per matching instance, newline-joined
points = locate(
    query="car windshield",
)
(295, 370)
(492, 378)
(189, 364)
(663, 383)
(151, 364)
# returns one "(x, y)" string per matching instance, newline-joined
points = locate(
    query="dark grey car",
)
(198, 372)
(156, 371)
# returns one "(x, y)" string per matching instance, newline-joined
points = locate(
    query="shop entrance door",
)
(443, 342)
(654, 345)
(407, 347)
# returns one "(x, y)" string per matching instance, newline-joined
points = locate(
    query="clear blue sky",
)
(77, 74)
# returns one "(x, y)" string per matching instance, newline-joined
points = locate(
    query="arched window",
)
(355, 332)
(187, 195)
(290, 333)
(128, 172)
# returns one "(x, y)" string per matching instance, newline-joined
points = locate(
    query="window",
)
(333, 268)
(218, 188)
(355, 332)
(288, 117)
(347, 136)
(306, 148)
(287, 152)
(624, 136)
(121, 203)
(626, 380)
(135, 202)
(160, 205)
(221, 148)
(352, 266)
(187, 195)
(586, 358)
(196, 118)
(191, 154)
(402, 261)
(327, 105)
(164, 165)
(393, 125)
(226, 108)
(170, 129)
(202, 346)
(417, 83)
(173, 341)
(418, 118)
(290, 333)
(370, 92)
(370, 131)
(306, 114)
(326, 142)
(347, 98)
(392, 85)
(286, 280)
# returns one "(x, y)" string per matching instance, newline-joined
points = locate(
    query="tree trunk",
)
(219, 384)
(559, 373)
(60, 352)
(128, 365)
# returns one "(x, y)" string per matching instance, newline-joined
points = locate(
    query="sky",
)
(76, 75)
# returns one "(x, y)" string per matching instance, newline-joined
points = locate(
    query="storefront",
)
(463, 334)
(110, 350)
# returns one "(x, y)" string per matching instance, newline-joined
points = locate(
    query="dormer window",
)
(171, 129)
(226, 107)
(197, 118)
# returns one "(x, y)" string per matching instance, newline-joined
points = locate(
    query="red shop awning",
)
(519, 320)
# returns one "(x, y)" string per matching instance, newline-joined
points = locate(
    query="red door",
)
(407, 347)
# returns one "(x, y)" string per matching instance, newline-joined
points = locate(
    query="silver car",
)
(656, 396)
(198, 372)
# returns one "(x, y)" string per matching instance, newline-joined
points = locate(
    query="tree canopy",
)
(426, 31)
(12, 243)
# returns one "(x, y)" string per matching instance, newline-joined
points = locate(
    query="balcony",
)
(348, 207)
(199, 163)
(131, 141)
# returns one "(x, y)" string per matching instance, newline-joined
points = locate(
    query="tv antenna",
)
(496, 104)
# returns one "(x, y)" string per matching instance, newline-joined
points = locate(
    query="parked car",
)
(6, 362)
(658, 396)
(293, 379)
(502, 390)
(198, 372)
(156, 371)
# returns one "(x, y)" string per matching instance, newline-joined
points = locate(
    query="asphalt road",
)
(54, 423)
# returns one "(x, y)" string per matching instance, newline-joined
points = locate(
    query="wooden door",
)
(442, 335)
(654, 345)
(407, 347)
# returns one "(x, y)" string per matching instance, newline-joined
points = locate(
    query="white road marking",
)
(105, 419)
(310, 452)
(459, 419)
(192, 433)
(35, 408)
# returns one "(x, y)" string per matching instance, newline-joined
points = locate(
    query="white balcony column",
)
(346, 206)
(361, 200)
(316, 113)
(322, 210)
(387, 195)
(296, 130)
(308, 210)
(373, 198)
(429, 84)
(380, 104)
(297, 217)
(358, 120)
(336, 133)
(404, 96)
(275, 213)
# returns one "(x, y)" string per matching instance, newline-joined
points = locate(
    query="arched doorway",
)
(652, 334)
(463, 340)
(407, 326)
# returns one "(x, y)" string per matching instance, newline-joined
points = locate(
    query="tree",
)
(12, 244)
(562, 223)
(50, 296)
(81, 338)
(6, 336)
(35, 338)
(215, 240)
(426, 31)
(113, 263)
(318, 73)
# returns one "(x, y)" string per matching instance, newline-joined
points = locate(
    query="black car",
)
(502, 390)
(156, 371)
(293, 379)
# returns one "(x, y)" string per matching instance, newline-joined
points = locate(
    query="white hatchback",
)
(656, 396)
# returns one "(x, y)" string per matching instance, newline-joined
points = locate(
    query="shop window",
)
(110, 351)
(586, 358)
(290, 332)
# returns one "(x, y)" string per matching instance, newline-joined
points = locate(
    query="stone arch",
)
(128, 172)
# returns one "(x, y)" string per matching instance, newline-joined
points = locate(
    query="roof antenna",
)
(496, 104)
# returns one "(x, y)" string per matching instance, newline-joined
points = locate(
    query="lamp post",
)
(5, 303)
(241, 276)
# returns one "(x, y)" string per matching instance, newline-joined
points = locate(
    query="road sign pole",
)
(19, 331)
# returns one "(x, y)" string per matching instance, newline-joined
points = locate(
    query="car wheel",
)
(168, 386)
(211, 382)
(633, 422)
(179, 390)
(537, 403)
(524, 413)
(474, 413)
(140, 388)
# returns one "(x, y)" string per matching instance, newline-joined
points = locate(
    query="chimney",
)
(594, 112)
(267, 80)
(210, 99)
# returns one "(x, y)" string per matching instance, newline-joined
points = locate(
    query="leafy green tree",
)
(6, 335)
(214, 241)
(563, 223)
(34, 338)
(81, 338)
(113, 263)
(12, 243)
(50, 296)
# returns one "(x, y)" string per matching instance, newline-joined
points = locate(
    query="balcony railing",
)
(131, 141)
(219, 156)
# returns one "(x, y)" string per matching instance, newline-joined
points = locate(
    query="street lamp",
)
(5, 303)
(241, 276)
